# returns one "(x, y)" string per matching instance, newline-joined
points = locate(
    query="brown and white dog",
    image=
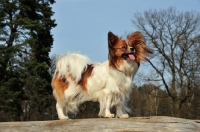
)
(77, 80)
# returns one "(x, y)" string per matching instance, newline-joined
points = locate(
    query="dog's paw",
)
(124, 116)
(64, 118)
(100, 115)
(109, 116)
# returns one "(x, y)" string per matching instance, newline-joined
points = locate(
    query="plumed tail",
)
(71, 65)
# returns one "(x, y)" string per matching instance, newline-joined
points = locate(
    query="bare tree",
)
(174, 38)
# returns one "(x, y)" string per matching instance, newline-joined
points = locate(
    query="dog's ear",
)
(141, 49)
(135, 38)
(112, 39)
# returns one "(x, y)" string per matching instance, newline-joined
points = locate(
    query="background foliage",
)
(171, 88)
(25, 43)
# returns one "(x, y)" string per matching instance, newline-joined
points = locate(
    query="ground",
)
(133, 124)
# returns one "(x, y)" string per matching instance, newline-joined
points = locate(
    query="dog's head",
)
(133, 48)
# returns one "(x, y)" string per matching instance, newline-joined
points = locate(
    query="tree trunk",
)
(177, 109)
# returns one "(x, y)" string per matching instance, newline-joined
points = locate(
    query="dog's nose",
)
(131, 48)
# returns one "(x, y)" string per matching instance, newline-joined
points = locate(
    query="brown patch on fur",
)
(59, 85)
(118, 53)
(137, 41)
(115, 45)
(85, 75)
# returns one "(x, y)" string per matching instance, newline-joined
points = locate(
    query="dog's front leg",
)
(120, 111)
(108, 105)
(102, 109)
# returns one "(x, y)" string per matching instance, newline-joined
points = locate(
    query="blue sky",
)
(83, 24)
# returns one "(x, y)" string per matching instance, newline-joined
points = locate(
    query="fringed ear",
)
(136, 38)
(112, 40)
(142, 50)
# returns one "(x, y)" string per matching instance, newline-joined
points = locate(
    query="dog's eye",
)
(123, 47)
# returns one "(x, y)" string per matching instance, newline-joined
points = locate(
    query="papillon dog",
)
(77, 80)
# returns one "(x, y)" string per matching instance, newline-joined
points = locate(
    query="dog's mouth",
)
(129, 56)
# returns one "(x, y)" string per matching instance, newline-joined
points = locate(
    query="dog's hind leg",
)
(60, 111)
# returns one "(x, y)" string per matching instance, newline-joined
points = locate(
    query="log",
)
(133, 124)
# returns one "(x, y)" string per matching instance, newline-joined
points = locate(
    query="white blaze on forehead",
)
(127, 44)
(126, 41)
